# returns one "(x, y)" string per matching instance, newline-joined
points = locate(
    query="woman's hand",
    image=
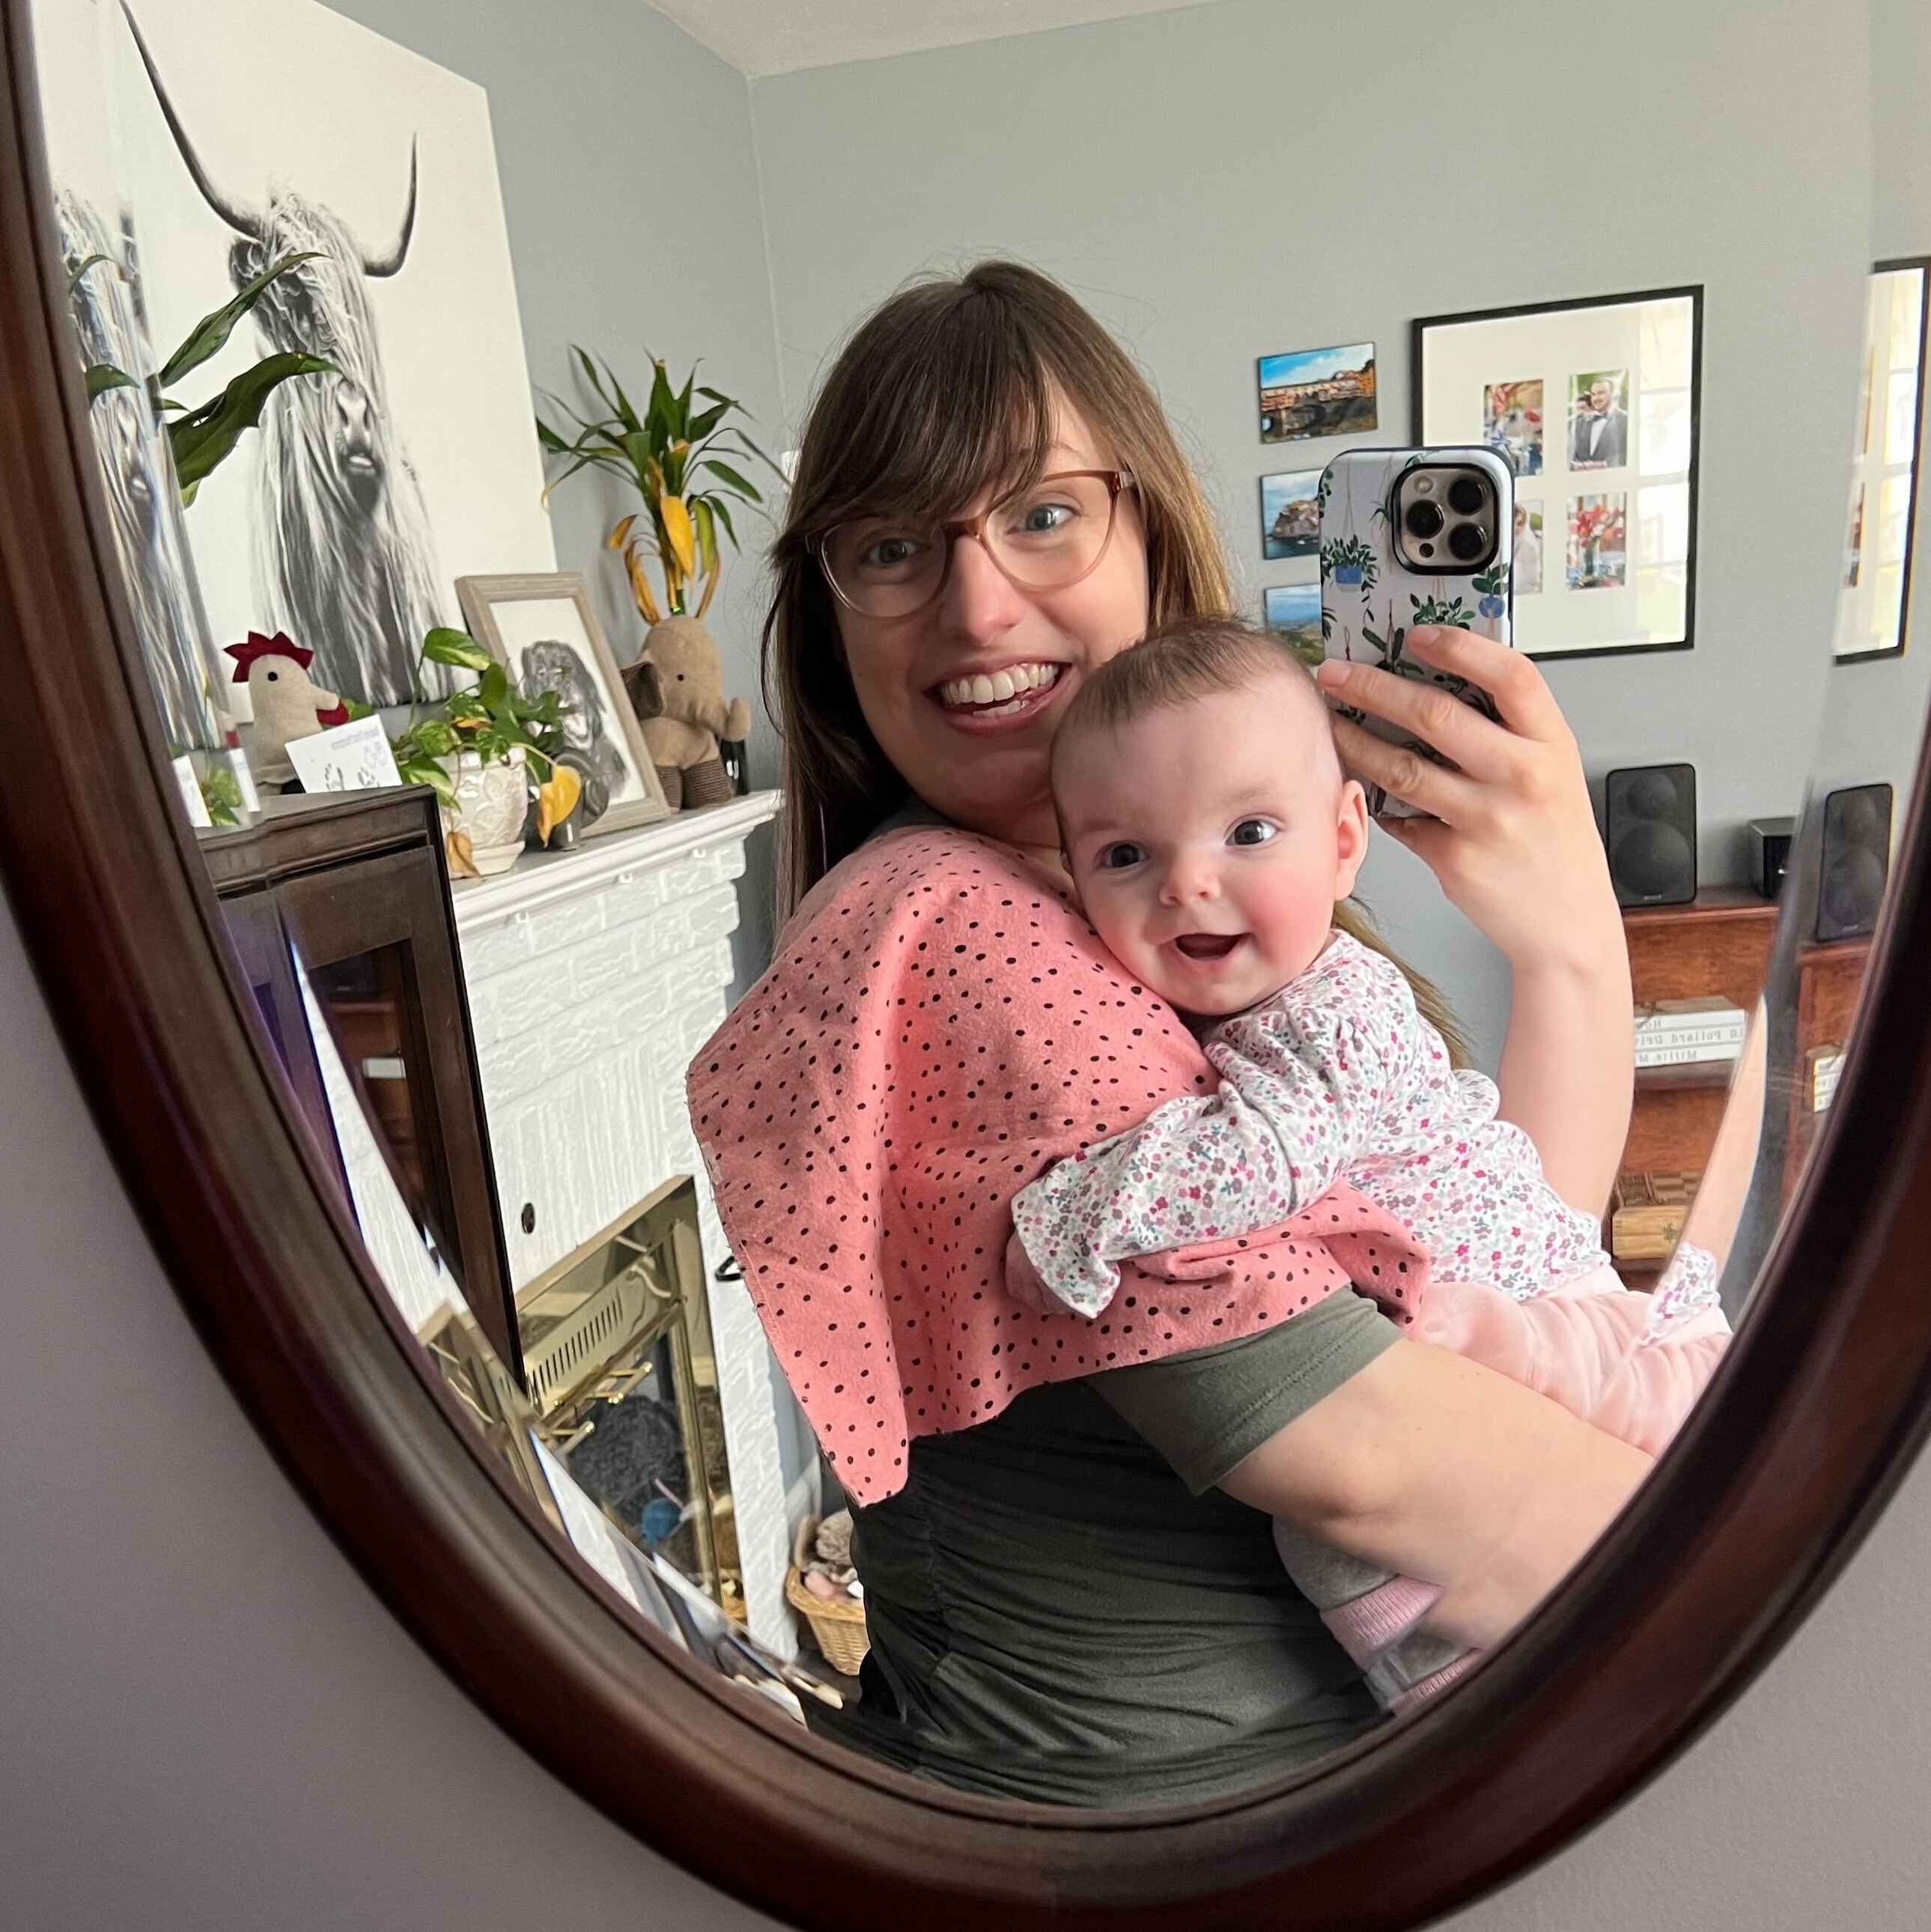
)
(1511, 836)
(1513, 840)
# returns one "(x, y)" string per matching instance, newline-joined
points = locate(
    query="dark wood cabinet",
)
(352, 889)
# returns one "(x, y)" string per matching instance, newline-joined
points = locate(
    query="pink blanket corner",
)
(940, 1025)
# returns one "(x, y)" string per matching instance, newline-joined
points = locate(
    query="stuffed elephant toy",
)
(676, 689)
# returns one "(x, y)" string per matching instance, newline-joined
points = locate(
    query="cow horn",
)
(245, 220)
(387, 264)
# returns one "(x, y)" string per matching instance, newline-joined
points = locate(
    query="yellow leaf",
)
(640, 587)
(677, 531)
(618, 535)
(557, 799)
(462, 855)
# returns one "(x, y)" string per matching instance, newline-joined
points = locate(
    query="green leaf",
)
(103, 377)
(742, 483)
(426, 771)
(81, 268)
(211, 334)
(495, 686)
(357, 708)
(626, 414)
(658, 417)
(445, 645)
(203, 437)
(707, 420)
(724, 516)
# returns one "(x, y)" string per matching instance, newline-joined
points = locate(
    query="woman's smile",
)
(1012, 693)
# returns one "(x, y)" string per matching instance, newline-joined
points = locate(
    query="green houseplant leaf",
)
(202, 437)
(209, 336)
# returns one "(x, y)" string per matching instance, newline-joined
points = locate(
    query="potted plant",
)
(675, 455)
(482, 751)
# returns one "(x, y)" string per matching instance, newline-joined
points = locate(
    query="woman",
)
(1078, 1600)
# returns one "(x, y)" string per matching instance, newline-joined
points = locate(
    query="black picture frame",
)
(1693, 292)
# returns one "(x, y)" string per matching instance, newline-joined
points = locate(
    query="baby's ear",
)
(1350, 838)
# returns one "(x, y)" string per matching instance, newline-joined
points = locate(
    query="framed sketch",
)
(1874, 601)
(543, 631)
(1597, 400)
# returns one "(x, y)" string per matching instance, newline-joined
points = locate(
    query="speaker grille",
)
(1649, 825)
(1856, 861)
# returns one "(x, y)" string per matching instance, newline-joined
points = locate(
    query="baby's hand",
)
(1023, 1283)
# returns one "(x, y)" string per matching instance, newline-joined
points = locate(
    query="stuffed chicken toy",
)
(288, 703)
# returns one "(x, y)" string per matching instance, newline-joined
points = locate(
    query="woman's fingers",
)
(1520, 692)
(1402, 773)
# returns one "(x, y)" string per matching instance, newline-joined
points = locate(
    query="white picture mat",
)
(1871, 613)
(285, 90)
(522, 622)
(1654, 341)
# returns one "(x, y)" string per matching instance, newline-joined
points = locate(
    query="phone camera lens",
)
(1424, 520)
(1465, 496)
(1467, 542)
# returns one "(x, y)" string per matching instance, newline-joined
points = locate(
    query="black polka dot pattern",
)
(940, 1026)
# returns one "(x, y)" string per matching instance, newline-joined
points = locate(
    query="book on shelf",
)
(1647, 1212)
(1704, 1053)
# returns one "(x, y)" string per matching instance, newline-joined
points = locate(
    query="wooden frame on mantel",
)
(1802, 1437)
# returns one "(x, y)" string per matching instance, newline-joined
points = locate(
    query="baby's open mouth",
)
(1207, 945)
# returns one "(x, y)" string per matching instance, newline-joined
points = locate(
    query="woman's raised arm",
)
(1513, 841)
(1433, 1467)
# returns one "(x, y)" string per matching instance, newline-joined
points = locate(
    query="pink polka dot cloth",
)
(940, 1025)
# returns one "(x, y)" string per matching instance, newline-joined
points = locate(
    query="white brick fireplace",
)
(594, 976)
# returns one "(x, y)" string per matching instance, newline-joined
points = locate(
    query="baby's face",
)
(1209, 841)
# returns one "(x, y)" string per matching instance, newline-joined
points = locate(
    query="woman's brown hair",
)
(947, 390)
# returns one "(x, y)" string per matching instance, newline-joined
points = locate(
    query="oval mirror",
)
(1035, 1274)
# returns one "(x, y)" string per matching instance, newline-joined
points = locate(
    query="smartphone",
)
(1410, 537)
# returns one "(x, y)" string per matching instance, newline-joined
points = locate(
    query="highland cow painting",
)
(248, 130)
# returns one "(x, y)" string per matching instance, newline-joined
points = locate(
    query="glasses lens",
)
(885, 569)
(1043, 537)
(1052, 534)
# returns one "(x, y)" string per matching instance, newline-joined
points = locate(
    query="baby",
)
(1210, 832)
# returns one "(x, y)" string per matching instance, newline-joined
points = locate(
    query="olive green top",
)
(1065, 1610)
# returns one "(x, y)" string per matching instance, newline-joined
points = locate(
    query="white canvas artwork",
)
(244, 130)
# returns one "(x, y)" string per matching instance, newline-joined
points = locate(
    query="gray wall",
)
(632, 193)
(1235, 180)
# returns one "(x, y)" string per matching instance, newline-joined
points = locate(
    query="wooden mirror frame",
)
(1801, 1438)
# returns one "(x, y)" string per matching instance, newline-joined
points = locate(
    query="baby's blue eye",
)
(1118, 856)
(1251, 831)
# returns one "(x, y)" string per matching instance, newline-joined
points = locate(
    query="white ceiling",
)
(766, 37)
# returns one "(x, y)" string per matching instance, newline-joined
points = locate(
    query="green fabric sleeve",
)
(1208, 1411)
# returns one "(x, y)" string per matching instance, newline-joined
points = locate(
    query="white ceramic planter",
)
(492, 802)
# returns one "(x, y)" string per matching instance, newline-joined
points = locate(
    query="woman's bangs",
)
(966, 409)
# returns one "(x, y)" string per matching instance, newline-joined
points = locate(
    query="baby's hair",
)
(1179, 663)
(1207, 657)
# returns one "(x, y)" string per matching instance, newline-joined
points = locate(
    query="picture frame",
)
(1596, 404)
(1291, 514)
(542, 628)
(1306, 393)
(1292, 613)
(1874, 596)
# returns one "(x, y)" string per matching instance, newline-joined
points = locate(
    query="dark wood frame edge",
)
(1805, 1433)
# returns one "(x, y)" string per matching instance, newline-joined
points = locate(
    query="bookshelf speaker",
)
(1856, 861)
(1649, 825)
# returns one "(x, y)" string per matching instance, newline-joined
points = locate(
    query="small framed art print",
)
(1594, 405)
(1874, 599)
(544, 631)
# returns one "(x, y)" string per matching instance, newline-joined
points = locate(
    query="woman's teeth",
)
(1004, 690)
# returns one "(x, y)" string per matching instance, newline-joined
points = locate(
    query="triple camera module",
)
(1446, 518)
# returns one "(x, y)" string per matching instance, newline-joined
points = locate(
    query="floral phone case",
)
(1371, 599)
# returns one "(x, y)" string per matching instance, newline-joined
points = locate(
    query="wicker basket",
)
(837, 1625)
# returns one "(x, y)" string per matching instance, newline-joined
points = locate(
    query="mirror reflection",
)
(1097, 1196)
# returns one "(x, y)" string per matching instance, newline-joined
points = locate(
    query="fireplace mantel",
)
(594, 976)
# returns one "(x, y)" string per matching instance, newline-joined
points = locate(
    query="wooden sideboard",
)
(1721, 943)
